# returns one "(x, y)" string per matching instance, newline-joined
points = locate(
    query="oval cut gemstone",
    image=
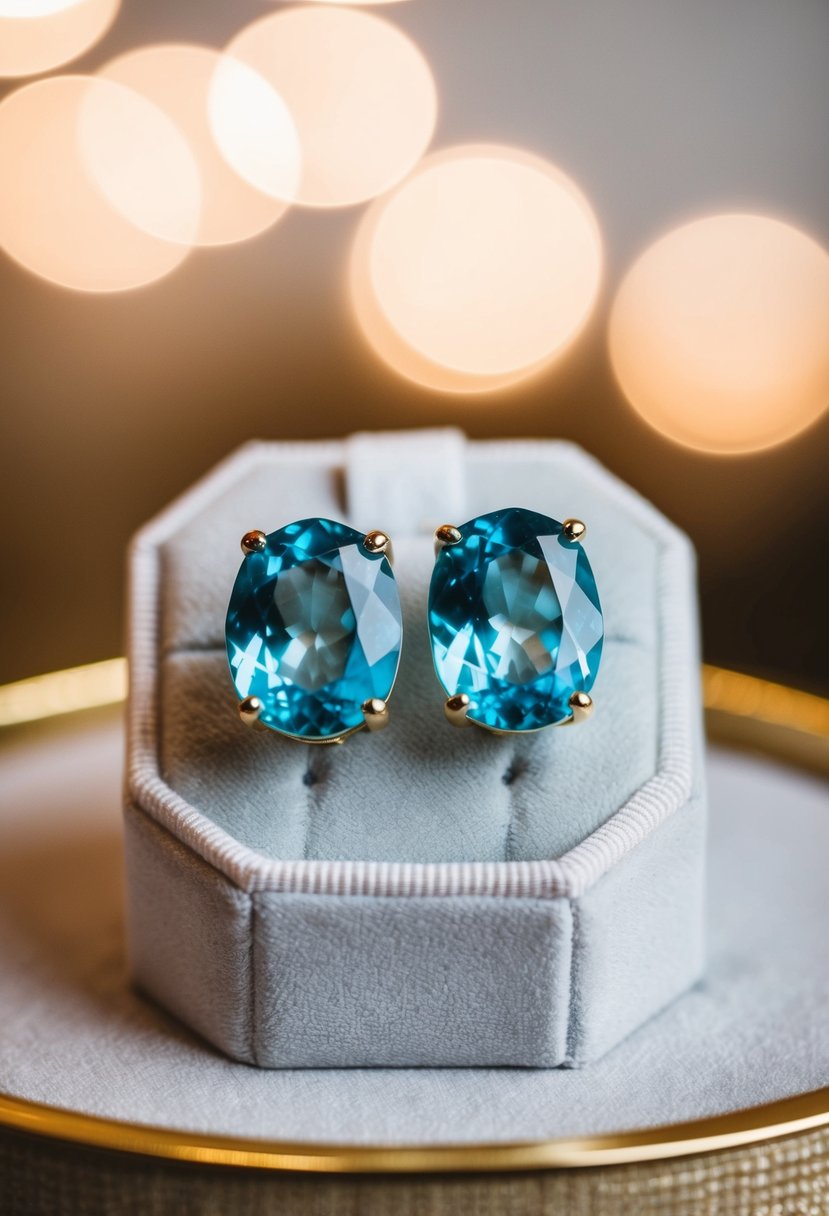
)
(314, 628)
(515, 620)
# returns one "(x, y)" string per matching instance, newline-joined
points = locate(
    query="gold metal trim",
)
(740, 710)
(745, 711)
(768, 1122)
(63, 692)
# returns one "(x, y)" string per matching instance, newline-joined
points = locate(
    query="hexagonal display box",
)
(424, 895)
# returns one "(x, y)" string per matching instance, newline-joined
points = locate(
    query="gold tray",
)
(740, 711)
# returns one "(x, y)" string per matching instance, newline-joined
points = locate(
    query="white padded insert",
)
(420, 791)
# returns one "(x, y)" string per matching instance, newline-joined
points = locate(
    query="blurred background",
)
(617, 236)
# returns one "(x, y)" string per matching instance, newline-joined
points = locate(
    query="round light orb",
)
(719, 333)
(34, 8)
(360, 93)
(54, 219)
(253, 132)
(38, 35)
(478, 271)
(184, 81)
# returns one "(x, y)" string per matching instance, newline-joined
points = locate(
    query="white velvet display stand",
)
(75, 1035)
(425, 896)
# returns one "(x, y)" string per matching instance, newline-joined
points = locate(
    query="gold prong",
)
(249, 711)
(253, 542)
(375, 713)
(582, 706)
(379, 542)
(574, 529)
(445, 535)
(456, 709)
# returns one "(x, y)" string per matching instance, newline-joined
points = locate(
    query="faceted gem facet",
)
(515, 620)
(314, 628)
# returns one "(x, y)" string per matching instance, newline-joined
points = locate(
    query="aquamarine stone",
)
(314, 628)
(515, 620)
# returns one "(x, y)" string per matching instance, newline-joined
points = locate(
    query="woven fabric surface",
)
(787, 1177)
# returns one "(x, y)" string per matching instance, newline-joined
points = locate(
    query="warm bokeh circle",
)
(360, 93)
(38, 35)
(185, 82)
(57, 221)
(479, 270)
(719, 333)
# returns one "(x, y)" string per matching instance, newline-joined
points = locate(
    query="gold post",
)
(379, 542)
(582, 706)
(456, 710)
(253, 542)
(375, 713)
(249, 711)
(574, 529)
(445, 535)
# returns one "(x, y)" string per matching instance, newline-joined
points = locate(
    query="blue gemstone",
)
(515, 620)
(314, 628)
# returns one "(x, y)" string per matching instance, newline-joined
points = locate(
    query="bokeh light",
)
(253, 130)
(180, 80)
(477, 271)
(38, 35)
(34, 8)
(359, 91)
(54, 219)
(719, 334)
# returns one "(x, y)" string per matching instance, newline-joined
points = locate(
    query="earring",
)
(314, 630)
(515, 622)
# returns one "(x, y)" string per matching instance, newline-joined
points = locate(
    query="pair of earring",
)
(314, 626)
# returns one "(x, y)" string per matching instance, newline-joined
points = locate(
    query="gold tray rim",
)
(786, 1117)
(740, 710)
